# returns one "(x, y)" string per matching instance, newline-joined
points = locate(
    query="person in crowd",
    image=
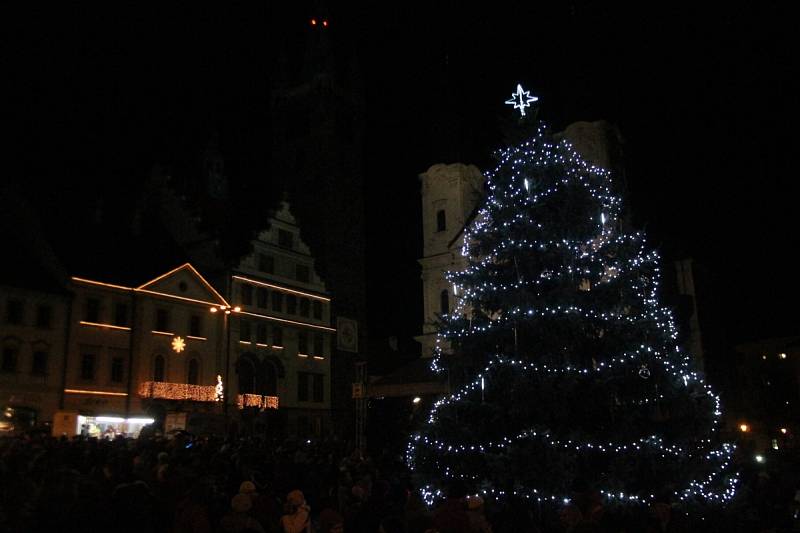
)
(297, 517)
(239, 519)
(475, 514)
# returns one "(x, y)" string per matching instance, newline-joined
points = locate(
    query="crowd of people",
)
(213, 485)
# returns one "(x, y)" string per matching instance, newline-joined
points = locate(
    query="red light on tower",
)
(313, 22)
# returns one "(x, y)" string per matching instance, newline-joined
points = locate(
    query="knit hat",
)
(474, 502)
(241, 503)
(247, 487)
(296, 498)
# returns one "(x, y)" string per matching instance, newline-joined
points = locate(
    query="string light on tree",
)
(581, 367)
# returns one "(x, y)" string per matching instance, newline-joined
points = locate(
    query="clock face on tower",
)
(348, 334)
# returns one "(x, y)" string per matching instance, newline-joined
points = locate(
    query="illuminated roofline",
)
(285, 289)
(285, 321)
(96, 392)
(196, 273)
(98, 324)
(185, 299)
(102, 284)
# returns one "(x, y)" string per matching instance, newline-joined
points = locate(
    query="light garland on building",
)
(507, 225)
(162, 390)
(256, 400)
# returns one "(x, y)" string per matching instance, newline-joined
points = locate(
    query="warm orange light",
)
(213, 309)
(302, 355)
(325, 23)
(178, 344)
(162, 333)
(96, 392)
(262, 345)
(110, 326)
(784, 431)
(195, 272)
(237, 309)
(177, 391)
(101, 284)
(284, 289)
(256, 400)
(245, 342)
(285, 321)
(744, 428)
(313, 22)
(318, 358)
(782, 355)
(196, 338)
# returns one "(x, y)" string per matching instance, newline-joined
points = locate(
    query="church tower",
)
(450, 197)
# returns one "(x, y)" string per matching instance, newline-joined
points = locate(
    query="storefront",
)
(110, 426)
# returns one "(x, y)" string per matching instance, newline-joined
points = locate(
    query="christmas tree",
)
(567, 375)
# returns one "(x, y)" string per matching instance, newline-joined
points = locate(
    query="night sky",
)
(706, 102)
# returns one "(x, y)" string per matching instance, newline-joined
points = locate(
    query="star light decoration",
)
(178, 344)
(521, 99)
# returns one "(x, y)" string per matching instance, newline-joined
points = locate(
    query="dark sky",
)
(705, 99)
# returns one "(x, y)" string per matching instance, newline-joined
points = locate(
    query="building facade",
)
(282, 335)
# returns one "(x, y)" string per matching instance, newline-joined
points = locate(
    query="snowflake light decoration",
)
(178, 344)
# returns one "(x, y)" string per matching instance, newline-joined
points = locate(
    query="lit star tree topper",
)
(521, 99)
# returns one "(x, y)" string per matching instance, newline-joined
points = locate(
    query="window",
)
(244, 330)
(266, 263)
(195, 326)
(319, 343)
(92, 310)
(262, 297)
(261, 333)
(285, 238)
(39, 366)
(302, 342)
(277, 301)
(120, 315)
(158, 368)
(44, 316)
(277, 336)
(247, 294)
(14, 312)
(162, 320)
(319, 388)
(291, 304)
(302, 273)
(317, 306)
(441, 220)
(10, 354)
(193, 377)
(87, 366)
(117, 369)
(305, 307)
(444, 302)
(302, 386)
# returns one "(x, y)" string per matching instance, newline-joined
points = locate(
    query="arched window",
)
(158, 368)
(270, 380)
(441, 220)
(247, 376)
(444, 302)
(193, 377)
